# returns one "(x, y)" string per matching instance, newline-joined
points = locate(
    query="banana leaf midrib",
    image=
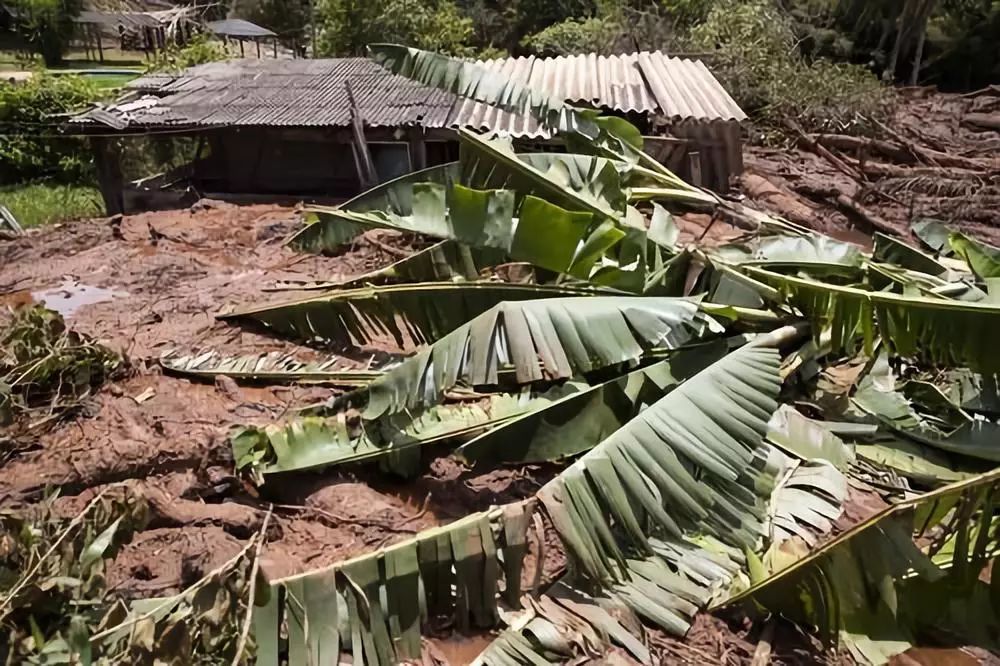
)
(374, 292)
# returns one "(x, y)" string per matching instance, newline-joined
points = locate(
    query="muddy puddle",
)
(71, 295)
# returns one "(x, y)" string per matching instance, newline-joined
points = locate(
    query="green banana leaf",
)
(911, 572)
(893, 251)
(313, 442)
(371, 608)
(937, 331)
(938, 423)
(983, 258)
(552, 339)
(579, 421)
(411, 314)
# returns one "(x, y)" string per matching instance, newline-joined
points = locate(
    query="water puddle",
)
(70, 296)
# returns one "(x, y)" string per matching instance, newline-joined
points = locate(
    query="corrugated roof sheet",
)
(269, 92)
(649, 83)
(313, 93)
(238, 28)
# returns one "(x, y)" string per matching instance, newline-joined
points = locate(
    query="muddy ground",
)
(154, 282)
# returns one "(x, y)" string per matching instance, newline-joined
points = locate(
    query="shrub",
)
(755, 55)
(29, 116)
(574, 36)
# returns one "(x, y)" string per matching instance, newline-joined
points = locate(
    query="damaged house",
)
(331, 127)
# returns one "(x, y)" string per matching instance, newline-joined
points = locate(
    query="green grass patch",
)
(110, 81)
(37, 204)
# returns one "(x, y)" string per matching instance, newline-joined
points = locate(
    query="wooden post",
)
(418, 149)
(274, 43)
(694, 160)
(100, 45)
(107, 159)
(366, 165)
(242, 52)
(257, 42)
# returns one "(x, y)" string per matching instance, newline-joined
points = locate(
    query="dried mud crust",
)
(170, 272)
(802, 186)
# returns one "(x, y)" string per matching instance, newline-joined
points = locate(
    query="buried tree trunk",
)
(783, 201)
(982, 120)
(898, 153)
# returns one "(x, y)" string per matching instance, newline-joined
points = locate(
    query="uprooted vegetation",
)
(556, 430)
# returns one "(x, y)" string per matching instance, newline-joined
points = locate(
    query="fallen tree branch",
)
(899, 153)
(982, 120)
(850, 208)
(820, 150)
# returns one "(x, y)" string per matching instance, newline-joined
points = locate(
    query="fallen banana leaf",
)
(939, 424)
(551, 339)
(937, 331)
(893, 251)
(312, 442)
(807, 502)
(887, 581)
(371, 608)
(577, 422)
(714, 423)
(412, 314)
(269, 367)
(983, 259)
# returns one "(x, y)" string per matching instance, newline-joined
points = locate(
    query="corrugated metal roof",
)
(269, 92)
(649, 83)
(253, 92)
(238, 28)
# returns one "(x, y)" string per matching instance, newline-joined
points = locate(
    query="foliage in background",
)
(346, 27)
(41, 203)
(289, 19)
(29, 113)
(574, 36)
(756, 58)
(46, 25)
(200, 49)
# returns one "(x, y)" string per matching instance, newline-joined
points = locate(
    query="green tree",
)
(47, 25)
(345, 27)
(29, 113)
(597, 35)
(287, 18)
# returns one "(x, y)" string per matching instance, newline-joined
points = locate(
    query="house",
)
(295, 127)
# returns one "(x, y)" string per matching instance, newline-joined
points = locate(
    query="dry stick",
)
(58, 542)
(388, 249)
(245, 631)
(344, 519)
(821, 150)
